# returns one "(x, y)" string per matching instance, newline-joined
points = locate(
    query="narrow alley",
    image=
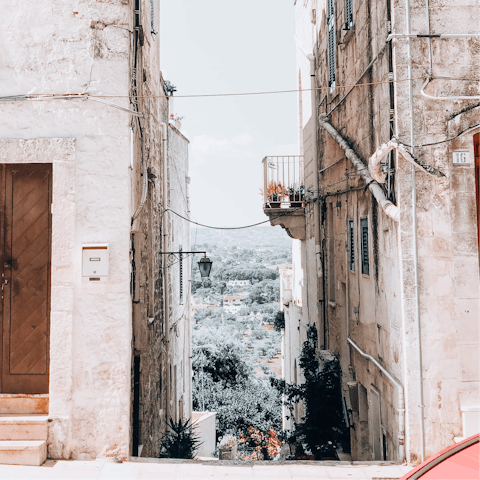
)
(239, 239)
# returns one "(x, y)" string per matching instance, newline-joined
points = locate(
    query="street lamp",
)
(205, 265)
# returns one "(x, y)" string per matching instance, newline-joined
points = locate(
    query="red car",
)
(458, 462)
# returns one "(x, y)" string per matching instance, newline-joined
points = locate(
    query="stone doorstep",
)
(24, 404)
(29, 452)
(23, 427)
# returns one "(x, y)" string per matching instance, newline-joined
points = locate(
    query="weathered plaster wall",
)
(179, 305)
(75, 47)
(378, 309)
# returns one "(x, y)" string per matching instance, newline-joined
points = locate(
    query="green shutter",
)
(331, 45)
(364, 246)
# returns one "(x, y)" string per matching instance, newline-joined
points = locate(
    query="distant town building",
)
(232, 303)
(238, 283)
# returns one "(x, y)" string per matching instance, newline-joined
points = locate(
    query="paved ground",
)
(153, 470)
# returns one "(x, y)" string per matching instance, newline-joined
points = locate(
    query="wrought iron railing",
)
(283, 182)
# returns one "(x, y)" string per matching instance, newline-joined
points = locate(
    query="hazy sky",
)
(226, 46)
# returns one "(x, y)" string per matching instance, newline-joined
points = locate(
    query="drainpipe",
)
(414, 233)
(164, 127)
(387, 206)
(400, 399)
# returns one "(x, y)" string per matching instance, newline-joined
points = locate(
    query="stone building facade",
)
(390, 247)
(82, 95)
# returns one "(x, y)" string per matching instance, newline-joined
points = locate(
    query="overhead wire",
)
(230, 228)
(70, 96)
(439, 142)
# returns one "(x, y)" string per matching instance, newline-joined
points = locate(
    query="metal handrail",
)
(284, 174)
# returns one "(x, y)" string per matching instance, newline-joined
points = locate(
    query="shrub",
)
(180, 440)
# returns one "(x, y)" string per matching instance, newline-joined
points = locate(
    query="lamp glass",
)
(205, 265)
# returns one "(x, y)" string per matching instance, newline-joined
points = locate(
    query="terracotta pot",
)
(295, 200)
(227, 453)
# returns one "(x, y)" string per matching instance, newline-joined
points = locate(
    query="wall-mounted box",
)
(95, 262)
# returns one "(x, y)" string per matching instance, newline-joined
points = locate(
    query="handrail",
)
(401, 398)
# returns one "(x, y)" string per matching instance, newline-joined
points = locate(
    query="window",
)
(331, 45)
(351, 245)
(181, 272)
(348, 14)
(152, 17)
(364, 245)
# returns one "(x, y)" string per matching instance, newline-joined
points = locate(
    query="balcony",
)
(284, 193)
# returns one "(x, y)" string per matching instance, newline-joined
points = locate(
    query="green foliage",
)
(263, 292)
(279, 321)
(180, 440)
(223, 382)
(320, 428)
(225, 361)
(254, 402)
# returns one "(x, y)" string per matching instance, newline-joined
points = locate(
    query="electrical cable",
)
(441, 141)
(230, 228)
(70, 96)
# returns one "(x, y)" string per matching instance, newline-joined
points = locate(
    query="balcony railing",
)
(283, 182)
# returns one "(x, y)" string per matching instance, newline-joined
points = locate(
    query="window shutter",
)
(331, 45)
(152, 17)
(181, 272)
(348, 14)
(364, 245)
(351, 245)
(330, 9)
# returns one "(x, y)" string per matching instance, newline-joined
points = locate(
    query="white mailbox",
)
(95, 262)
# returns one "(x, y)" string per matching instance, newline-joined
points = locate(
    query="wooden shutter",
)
(364, 246)
(351, 241)
(331, 45)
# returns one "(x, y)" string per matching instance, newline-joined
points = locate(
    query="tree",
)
(223, 382)
(322, 426)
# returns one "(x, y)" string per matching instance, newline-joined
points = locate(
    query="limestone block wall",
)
(447, 225)
(378, 310)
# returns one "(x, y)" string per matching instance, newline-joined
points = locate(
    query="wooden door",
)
(476, 147)
(25, 245)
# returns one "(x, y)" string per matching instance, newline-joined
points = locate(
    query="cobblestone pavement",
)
(154, 469)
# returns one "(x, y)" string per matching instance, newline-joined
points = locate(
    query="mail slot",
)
(95, 262)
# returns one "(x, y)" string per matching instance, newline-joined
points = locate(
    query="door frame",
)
(60, 152)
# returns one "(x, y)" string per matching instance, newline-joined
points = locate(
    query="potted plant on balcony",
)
(275, 192)
(296, 194)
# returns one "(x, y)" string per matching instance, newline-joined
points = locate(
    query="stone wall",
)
(378, 310)
(101, 156)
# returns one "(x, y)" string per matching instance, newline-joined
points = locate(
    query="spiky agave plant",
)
(180, 440)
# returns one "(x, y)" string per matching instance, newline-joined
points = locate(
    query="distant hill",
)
(254, 237)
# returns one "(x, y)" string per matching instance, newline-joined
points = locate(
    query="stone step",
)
(23, 427)
(24, 404)
(27, 452)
